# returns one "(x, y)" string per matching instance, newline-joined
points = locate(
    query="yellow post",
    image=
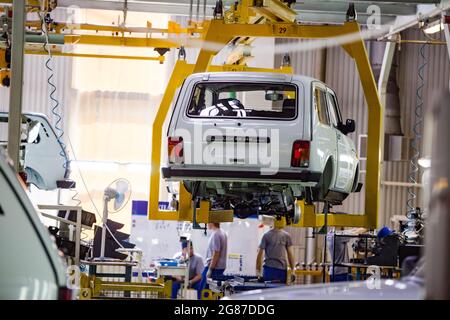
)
(357, 51)
(180, 72)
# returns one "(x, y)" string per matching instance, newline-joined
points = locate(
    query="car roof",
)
(262, 76)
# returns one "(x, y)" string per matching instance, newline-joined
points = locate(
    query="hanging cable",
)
(191, 7)
(204, 10)
(97, 212)
(415, 142)
(56, 106)
(45, 21)
(198, 12)
(56, 110)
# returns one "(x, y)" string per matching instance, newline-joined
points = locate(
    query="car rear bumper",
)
(254, 175)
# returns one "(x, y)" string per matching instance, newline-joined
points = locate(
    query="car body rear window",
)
(243, 100)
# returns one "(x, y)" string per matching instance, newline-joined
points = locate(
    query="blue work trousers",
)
(274, 274)
(203, 284)
(176, 287)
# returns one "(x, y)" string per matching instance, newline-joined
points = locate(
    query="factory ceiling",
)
(309, 11)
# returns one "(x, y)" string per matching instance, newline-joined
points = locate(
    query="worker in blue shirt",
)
(276, 247)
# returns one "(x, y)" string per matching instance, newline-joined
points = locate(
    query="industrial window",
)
(320, 98)
(243, 100)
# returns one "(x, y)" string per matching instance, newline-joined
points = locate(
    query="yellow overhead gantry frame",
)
(240, 24)
(220, 32)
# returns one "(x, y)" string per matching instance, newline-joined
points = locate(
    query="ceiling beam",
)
(337, 18)
(331, 11)
(338, 6)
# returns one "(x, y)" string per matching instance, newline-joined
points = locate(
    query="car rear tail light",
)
(65, 293)
(447, 19)
(23, 179)
(175, 149)
(300, 154)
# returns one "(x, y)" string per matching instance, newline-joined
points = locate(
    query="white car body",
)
(331, 170)
(45, 160)
(30, 267)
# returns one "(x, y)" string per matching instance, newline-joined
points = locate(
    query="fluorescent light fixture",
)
(425, 163)
(434, 27)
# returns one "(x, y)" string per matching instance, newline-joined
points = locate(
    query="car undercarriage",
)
(247, 198)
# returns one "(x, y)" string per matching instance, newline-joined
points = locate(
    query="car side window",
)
(332, 110)
(320, 99)
(336, 106)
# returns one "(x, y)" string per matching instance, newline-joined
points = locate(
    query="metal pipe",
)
(104, 226)
(412, 23)
(310, 250)
(382, 59)
(447, 38)
(52, 38)
(385, 71)
(15, 93)
(385, 78)
(430, 42)
(401, 184)
(198, 12)
(321, 64)
(191, 6)
(204, 10)
(310, 241)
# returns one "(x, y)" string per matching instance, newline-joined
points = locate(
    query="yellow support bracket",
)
(309, 218)
(274, 10)
(206, 215)
(95, 286)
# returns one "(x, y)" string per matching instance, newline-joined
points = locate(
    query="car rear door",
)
(324, 137)
(345, 153)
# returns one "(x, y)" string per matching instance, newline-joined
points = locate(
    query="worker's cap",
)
(384, 232)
